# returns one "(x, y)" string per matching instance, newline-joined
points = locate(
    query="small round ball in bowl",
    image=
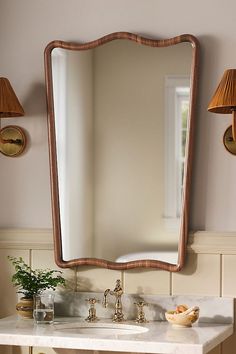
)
(183, 319)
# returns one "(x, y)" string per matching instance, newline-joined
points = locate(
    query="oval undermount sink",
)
(100, 329)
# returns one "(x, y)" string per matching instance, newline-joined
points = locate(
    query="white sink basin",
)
(100, 329)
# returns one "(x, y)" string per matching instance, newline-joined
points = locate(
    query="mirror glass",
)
(120, 120)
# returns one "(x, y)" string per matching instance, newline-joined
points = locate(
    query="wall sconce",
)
(12, 137)
(224, 101)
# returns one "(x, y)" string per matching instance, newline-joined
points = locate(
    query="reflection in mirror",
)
(121, 114)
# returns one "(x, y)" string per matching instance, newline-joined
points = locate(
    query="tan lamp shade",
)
(224, 99)
(9, 103)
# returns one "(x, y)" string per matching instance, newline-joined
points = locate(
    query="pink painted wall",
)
(27, 26)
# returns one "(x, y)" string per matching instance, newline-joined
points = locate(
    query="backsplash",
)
(212, 309)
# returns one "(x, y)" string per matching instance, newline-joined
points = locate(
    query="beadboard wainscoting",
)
(209, 271)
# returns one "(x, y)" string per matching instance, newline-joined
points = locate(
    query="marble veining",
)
(212, 309)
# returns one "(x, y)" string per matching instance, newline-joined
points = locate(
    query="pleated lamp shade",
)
(9, 103)
(224, 99)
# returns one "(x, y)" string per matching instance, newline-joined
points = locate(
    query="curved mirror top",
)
(120, 116)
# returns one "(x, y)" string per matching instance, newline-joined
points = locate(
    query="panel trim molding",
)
(26, 239)
(208, 242)
(212, 242)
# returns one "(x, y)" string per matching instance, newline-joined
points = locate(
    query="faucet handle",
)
(104, 301)
(118, 286)
(92, 311)
(92, 301)
(141, 315)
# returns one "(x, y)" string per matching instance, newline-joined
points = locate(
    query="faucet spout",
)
(117, 292)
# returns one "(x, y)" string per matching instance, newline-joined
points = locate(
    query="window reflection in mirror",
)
(177, 92)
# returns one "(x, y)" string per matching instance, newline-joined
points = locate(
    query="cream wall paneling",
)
(148, 281)
(228, 279)
(201, 275)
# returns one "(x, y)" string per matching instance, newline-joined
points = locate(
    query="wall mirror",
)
(120, 122)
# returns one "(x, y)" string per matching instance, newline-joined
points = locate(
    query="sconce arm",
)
(11, 141)
(234, 125)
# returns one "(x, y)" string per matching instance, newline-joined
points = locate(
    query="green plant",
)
(31, 282)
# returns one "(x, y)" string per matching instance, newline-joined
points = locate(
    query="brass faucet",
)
(117, 292)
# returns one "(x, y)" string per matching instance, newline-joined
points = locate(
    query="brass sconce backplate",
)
(16, 141)
(228, 141)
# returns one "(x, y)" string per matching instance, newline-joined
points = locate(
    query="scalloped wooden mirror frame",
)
(53, 158)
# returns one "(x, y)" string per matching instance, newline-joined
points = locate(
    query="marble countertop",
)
(160, 337)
